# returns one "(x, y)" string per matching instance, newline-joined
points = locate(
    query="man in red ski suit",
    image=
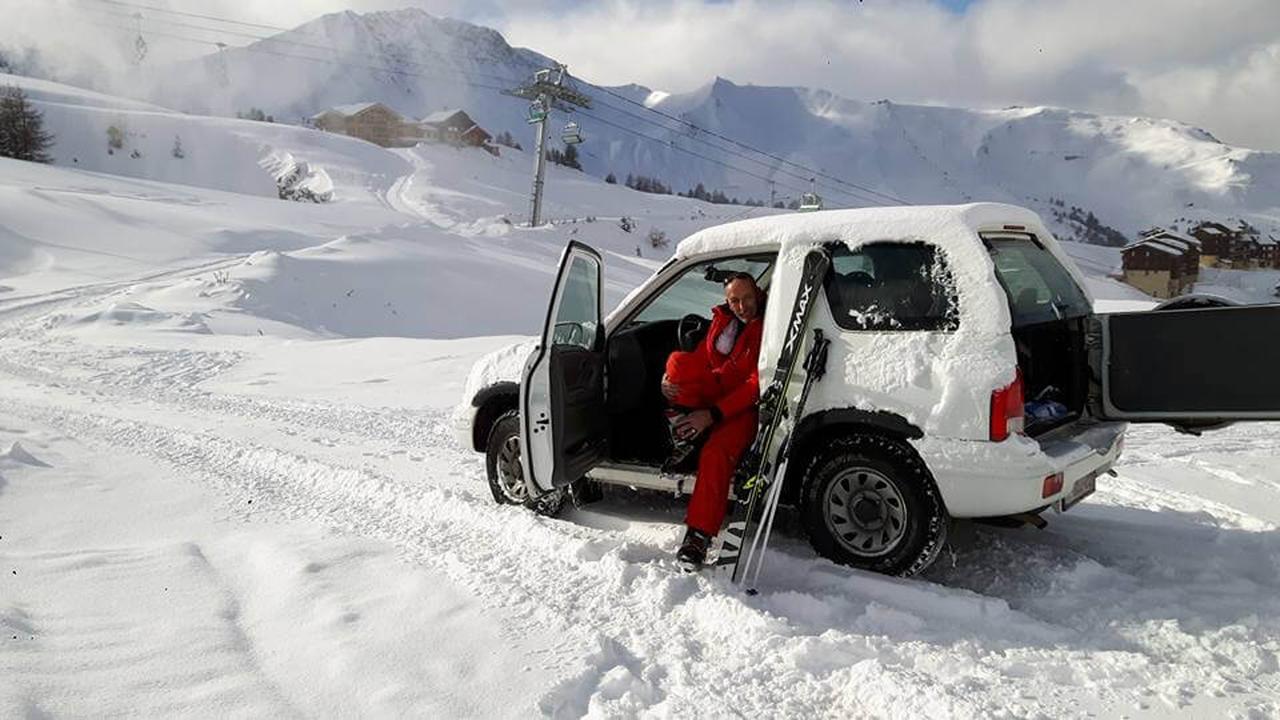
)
(717, 386)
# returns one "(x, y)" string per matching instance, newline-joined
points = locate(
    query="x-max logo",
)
(801, 308)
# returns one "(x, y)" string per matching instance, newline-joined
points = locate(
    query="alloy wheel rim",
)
(510, 473)
(865, 512)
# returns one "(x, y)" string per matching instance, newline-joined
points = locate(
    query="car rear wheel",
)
(869, 502)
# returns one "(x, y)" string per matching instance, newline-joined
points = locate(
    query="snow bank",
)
(138, 315)
(16, 454)
(297, 179)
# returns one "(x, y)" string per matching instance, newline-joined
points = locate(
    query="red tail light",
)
(1052, 485)
(1006, 409)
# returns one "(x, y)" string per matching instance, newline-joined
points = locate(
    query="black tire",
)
(869, 502)
(502, 461)
(506, 476)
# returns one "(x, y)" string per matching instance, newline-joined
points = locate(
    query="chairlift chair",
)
(537, 112)
(572, 134)
(810, 201)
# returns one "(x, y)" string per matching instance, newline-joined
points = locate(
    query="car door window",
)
(577, 316)
(701, 287)
(1038, 287)
(891, 286)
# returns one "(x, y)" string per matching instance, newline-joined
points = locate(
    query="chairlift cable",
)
(729, 151)
(677, 148)
(746, 146)
(330, 61)
(692, 136)
(451, 71)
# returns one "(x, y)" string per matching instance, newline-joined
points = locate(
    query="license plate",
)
(1084, 487)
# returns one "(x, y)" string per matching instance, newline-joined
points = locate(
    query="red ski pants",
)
(725, 444)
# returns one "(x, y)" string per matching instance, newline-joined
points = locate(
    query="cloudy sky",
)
(1215, 64)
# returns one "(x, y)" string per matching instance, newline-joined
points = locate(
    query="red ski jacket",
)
(735, 373)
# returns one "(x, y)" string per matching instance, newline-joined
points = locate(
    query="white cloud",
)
(1209, 63)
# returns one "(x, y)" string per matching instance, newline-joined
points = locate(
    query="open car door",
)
(563, 424)
(1191, 368)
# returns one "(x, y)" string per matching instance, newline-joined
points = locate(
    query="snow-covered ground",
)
(228, 487)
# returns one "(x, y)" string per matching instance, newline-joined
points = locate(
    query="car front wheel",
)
(870, 502)
(502, 461)
(506, 474)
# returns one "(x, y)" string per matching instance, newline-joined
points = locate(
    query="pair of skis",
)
(759, 475)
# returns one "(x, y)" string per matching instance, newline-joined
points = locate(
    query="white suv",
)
(968, 375)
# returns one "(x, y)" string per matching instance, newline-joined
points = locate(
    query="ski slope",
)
(228, 486)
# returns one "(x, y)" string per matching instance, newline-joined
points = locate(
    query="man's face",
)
(744, 298)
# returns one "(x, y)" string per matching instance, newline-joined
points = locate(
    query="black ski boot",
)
(693, 551)
(681, 448)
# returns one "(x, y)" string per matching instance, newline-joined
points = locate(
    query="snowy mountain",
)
(1129, 173)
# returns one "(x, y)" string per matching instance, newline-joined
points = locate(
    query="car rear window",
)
(891, 286)
(1039, 289)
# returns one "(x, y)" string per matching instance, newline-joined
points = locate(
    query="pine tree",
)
(22, 133)
(570, 158)
(611, 179)
(177, 147)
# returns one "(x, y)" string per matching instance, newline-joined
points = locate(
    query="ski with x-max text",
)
(756, 469)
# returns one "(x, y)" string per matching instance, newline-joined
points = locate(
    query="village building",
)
(1225, 247)
(371, 121)
(1162, 263)
(1190, 246)
(455, 127)
(1269, 252)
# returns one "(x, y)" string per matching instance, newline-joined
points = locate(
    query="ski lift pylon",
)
(572, 134)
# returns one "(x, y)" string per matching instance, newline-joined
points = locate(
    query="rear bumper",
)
(985, 479)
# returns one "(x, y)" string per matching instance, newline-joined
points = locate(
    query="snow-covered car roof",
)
(941, 224)
(953, 229)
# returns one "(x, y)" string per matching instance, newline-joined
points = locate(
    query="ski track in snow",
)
(1144, 601)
